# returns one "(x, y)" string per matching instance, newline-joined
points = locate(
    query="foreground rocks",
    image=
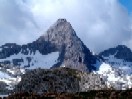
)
(59, 80)
(54, 80)
(3, 89)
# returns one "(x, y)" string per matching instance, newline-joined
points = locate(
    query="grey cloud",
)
(16, 22)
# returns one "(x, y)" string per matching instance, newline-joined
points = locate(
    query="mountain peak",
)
(60, 32)
(122, 47)
(61, 25)
(73, 53)
(61, 20)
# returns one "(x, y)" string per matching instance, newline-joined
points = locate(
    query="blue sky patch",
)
(127, 4)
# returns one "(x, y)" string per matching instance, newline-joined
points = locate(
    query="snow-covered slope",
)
(119, 58)
(121, 64)
(34, 60)
(117, 67)
(44, 61)
(115, 77)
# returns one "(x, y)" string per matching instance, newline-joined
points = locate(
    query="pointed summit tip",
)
(61, 20)
(62, 25)
(121, 46)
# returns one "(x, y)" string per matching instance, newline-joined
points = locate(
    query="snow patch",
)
(114, 77)
(10, 71)
(44, 61)
(104, 68)
(4, 75)
(34, 60)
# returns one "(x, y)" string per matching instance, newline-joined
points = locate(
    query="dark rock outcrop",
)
(9, 49)
(3, 89)
(119, 52)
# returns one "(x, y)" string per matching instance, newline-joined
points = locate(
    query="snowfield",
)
(115, 77)
(37, 60)
(44, 61)
(4, 75)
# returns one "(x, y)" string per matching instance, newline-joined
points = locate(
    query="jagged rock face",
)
(61, 38)
(119, 52)
(3, 89)
(9, 49)
(73, 53)
(91, 81)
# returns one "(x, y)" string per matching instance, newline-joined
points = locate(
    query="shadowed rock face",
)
(119, 52)
(9, 49)
(59, 37)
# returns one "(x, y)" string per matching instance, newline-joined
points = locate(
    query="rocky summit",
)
(73, 53)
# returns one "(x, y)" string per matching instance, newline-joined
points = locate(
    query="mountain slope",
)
(117, 67)
(119, 57)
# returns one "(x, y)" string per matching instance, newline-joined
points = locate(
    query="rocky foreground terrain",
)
(64, 83)
(59, 80)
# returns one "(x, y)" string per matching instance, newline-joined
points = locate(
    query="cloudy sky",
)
(100, 24)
